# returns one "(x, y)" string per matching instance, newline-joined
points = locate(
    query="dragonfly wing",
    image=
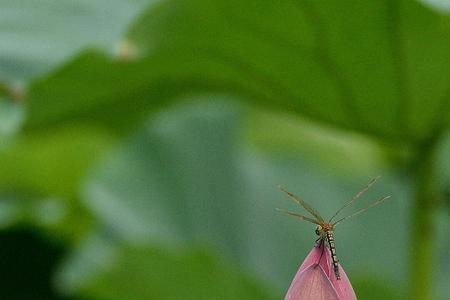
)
(299, 216)
(305, 205)
(356, 196)
(379, 201)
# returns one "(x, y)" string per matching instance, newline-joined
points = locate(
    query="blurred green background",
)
(142, 142)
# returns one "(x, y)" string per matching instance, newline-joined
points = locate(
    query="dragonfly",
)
(324, 229)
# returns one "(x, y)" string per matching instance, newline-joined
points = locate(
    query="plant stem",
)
(422, 230)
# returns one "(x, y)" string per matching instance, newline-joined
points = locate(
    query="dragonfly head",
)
(319, 230)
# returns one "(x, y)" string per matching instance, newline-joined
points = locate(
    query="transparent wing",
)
(299, 216)
(305, 205)
(371, 182)
(358, 212)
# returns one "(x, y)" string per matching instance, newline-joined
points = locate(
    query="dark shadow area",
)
(27, 262)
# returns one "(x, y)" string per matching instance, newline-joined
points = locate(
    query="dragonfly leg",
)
(321, 245)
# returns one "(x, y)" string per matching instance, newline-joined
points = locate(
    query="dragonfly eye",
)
(318, 229)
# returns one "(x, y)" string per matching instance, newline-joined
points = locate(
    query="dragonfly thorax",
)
(321, 230)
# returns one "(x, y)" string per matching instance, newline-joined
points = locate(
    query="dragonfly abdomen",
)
(334, 258)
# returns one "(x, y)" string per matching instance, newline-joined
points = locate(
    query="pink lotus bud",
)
(316, 280)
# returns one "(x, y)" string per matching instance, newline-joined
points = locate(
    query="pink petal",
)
(318, 282)
(343, 286)
(312, 284)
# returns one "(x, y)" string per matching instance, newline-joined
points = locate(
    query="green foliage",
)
(360, 65)
(328, 66)
(158, 274)
(52, 162)
(35, 38)
(371, 288)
